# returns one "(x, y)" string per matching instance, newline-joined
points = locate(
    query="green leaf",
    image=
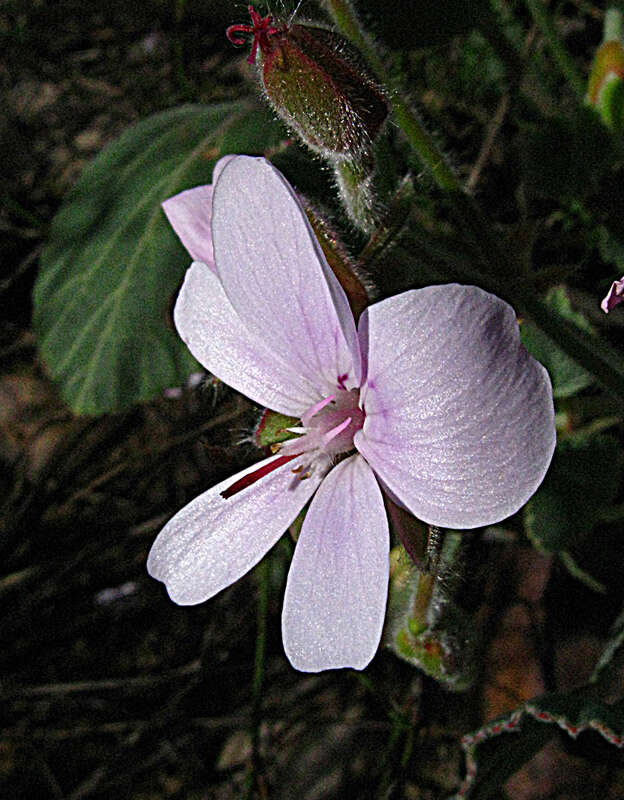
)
(491, 759)
(582, 480)
(566, 156)
(566, 375)
(112, 266)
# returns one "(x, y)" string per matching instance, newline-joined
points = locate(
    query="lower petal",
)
(335, 599)
(213, 541)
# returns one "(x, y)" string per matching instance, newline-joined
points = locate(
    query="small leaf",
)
(491, 759)
(566, 375)
(582, 480)
(112, 265)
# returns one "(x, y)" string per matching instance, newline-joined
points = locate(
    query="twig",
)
(486, 148)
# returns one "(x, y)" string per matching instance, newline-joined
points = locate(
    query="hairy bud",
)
(318, 85)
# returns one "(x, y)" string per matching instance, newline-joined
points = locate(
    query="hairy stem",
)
(343, 14)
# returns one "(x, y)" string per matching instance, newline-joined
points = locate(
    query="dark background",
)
(109, 690)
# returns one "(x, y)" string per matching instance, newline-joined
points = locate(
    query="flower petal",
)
(215, 335)
(614, 297)
(276, 276)
(190, 215)
(459, 417)
(212, 541)
(335, 599)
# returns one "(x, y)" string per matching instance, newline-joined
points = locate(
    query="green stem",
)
(563, 59)
(407, 119)
(19, 210)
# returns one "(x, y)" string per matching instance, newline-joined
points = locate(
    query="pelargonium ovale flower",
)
(614, 296)
(432, 398)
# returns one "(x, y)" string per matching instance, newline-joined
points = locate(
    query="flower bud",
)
(318, 84)
(605, 91)
(426, 627)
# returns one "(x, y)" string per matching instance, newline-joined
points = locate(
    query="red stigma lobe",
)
(252, 477)
(261, 30)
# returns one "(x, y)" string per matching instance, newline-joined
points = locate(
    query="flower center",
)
(327, 430)
(328, 427)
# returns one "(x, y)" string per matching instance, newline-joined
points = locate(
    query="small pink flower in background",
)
(432, 398)
(614, 297)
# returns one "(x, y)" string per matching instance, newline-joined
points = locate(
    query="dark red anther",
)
(260, 30)
(252, 477)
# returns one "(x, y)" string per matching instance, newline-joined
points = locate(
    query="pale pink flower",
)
(614, 296)
(432, 397)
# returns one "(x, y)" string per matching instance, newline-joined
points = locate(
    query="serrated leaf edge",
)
(512, 725)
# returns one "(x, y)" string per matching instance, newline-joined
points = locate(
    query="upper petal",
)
(459, 417)
(276, 276)
(190, 215)
(215, 335)
(335, 599)
(212, 541)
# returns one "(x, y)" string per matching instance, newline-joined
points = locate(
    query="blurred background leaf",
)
(566, 375)
(580, 485)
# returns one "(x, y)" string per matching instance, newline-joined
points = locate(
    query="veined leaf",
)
(112, 265)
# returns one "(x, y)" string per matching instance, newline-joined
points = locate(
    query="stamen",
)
(335, 431)
(313, 411)
(252, 477)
